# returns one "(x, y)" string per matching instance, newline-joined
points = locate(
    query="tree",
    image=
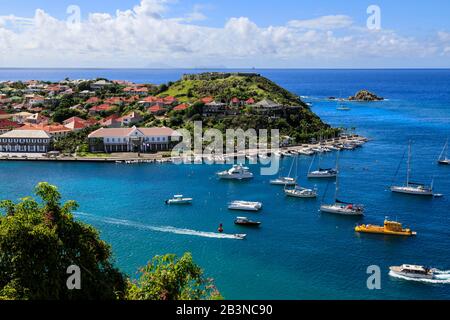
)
(39, 240)
(169, 278)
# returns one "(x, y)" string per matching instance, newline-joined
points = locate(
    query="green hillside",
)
(299, 123)
(225, 86)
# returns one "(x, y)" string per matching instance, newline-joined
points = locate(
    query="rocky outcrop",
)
(365, 95)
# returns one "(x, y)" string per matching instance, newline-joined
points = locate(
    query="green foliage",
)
(169, 278)
(39, 240)
(73, 140)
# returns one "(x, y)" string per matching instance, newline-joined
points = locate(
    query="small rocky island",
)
(365, 95)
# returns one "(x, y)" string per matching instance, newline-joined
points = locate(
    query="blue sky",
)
(247, 33)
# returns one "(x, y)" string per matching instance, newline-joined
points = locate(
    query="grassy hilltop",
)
(300, 122)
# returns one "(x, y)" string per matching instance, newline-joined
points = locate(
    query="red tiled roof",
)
(207, 100)
(46, 128)
(102, 107)
(235, 100)
(180, 107)
(92, 100)
(155, 109)
(250, 101)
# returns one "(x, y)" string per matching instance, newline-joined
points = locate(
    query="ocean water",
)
(298, 253)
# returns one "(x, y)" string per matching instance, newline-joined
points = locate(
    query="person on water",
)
(220, 228)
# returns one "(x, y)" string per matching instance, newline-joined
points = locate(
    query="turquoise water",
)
(297, 253)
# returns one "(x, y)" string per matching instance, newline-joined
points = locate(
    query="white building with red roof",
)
(132, 139)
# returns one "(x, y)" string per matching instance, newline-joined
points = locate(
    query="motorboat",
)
(413, 271)
(237, 172)
(284, 181)
(412, 188)
(244, 221)
(245, 205)
(300, 192)
(179, 199)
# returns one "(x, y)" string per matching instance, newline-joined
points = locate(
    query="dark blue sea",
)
(297, 253)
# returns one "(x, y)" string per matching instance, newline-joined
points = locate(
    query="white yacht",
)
(179, 199)
(413, 271)
(284, 181)
(300, 192)
(443, 157)
(412, 188)
(237, 172)
(341, 207)
(245, 205)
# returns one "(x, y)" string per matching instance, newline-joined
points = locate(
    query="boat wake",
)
(440, 277)
(166, 229)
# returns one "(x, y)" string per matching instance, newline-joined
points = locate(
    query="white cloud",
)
(142, 36)
(323, 23)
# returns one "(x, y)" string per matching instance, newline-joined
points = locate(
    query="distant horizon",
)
(227, 68)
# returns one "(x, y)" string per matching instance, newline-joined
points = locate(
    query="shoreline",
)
(306, 149)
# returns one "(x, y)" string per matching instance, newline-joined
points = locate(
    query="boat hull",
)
(444, 162)
(398, 271)
(341, 210)
(381, 230)
(300, 194)
(412, 191)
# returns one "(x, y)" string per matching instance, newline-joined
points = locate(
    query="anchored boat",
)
(285, 181)
(341, 207)
(412, 188)
(321, 173)
(443, 157)
(390, 228)
(179, 199)
(237, 172)
(244, 221)
(245, 205)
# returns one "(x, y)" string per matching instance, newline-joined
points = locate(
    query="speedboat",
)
(323, 173)
(237, 172)
(179, 199)
(284, 181)
(245, 205)
(244, 221)
(345, 209)
(300, 192)
(413, 271)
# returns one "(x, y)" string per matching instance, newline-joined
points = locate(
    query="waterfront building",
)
(25, 141)
(132, 139)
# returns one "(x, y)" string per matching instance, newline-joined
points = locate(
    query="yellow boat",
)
(390, 227)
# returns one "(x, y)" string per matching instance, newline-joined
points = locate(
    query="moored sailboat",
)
(412, 188)
(341, 207)
(443, 157)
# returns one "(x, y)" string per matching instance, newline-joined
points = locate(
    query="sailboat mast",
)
(337, 177)
(408, 170)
